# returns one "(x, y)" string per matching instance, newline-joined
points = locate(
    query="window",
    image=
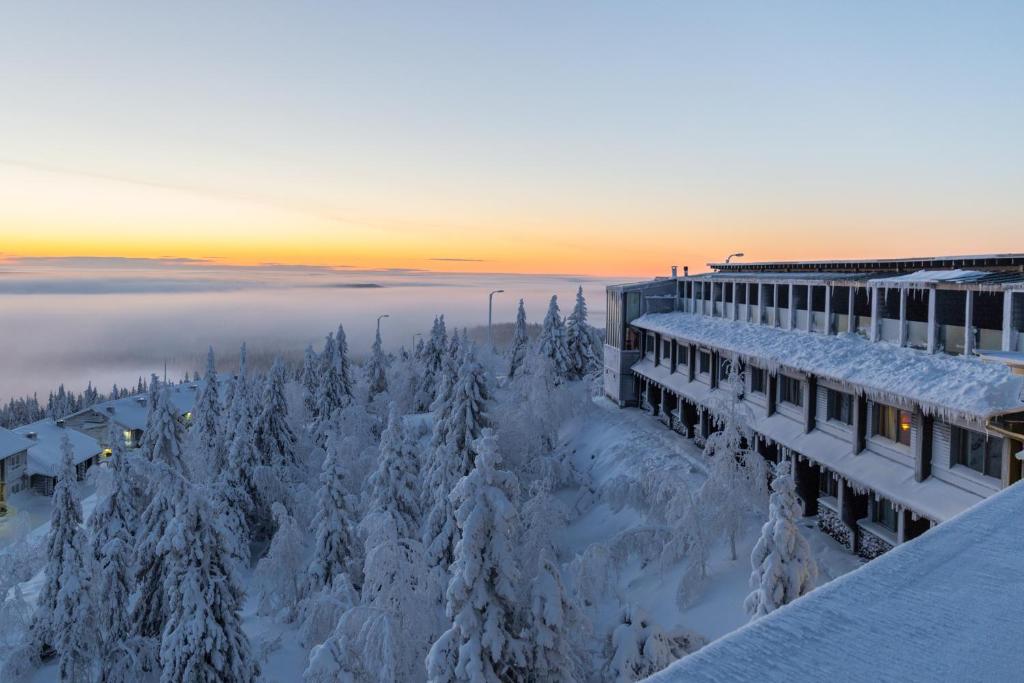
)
(980, 452)
(827, 484)
(682, 355)
(632, 340)
(840, 406)
(790, 391)
(666, 351)
(704, 364)
(891, 423)
(649, 345)
(724, 368)
(885, 514)
(758, 381)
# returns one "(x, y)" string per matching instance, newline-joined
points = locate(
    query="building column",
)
(903, 316)
(932, 324)
(775, 305)
(735, 301)
(810, 307)
(749, 288)
(873, 336)
(1007, 319)
(806, 476)
(760, 303)
(673, 355)
(773, 383)
(901, 525)
(657, 349)
(923, 445)
(851, 319)
(828, 309)
(810, 403)
(969, 323)
(691, 369)
(705, 423)
(860, 423)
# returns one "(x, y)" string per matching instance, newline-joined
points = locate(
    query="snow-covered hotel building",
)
(895, 386)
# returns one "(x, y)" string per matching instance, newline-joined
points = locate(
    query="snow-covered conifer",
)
(462, 417)
(552, 342)
(278, 574)
(551, 653)
(203, 638)
(482, 643)
(640, 648)
(310, 380)
(329, 395)
(165, 436)
(377, 369)
(583, 357)
(273, 439)
(520, 342)
(432, 358)
(783, 568)
(394, 486)
(335, 550)
(204, 436)
(345, 378)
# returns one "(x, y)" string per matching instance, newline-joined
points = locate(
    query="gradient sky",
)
(574, 137)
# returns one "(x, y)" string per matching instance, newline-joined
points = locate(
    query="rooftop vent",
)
(31, 435)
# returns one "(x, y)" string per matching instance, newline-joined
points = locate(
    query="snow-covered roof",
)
(932, 498)
(943, 607)
(942, 385)
(44, 452)
(11, 443)
(923, 277)
(131, 412)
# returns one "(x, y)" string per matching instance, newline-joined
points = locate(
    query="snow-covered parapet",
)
(942, 385)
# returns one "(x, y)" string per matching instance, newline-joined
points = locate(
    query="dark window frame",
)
(888, 422)
(978, 452)
(791, 391)
(839, 407)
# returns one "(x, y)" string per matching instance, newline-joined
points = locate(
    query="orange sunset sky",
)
(610, 140)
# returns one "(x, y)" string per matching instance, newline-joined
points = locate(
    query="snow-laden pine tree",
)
(579, 342)
(376, 369)
(482, 643)
(520, 345)
(203, 638)
(64, 609)
(164, 438)
(432, 359)
(552, 342)
(111, 547)
(451, 363)
(737, 477)
(395, 484)
(279, 574)
(310, 380)
(783, 568)
(640, 648)
(329, 394)
(345, 378)
(551, 652)
(335, 550)
(273, 439)
(238, 415)
(205, 441)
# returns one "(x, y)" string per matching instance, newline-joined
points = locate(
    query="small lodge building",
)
(896, 387)
(44, 453)
(129, 414)
(13, 464)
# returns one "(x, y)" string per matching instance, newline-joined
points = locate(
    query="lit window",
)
(891, 423)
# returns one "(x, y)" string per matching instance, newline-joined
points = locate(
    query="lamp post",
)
(378, 321)
(730, 256)
(490, 315)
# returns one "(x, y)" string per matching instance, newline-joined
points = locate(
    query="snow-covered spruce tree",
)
(238, 417)
(552, 342)
(164, 438)
(205, 441)
(482, 643)
(64, 609)
(376, 369)
(451, 363)
(203, 638)
(310, 380)
(583, 357)
(335, 549)
(737, 476)
(394, 486)
(278, 574)
(432, 358)
(111, 547)
(345, 378)
(551, 652)
(640, 648)
(362, 647)
(783, 568)
(273, 439)
(520, 342)
(329, 395)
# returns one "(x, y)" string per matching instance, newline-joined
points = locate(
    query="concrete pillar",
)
(903, 316)
(735, 301)
(773, 383)
(860, 423)
(791, 322)
(810, 307)
(851, 319)
(749, 288)
(810, 403)
(1007, 320)
(691, 367)
(932, 321)
(674, 357)
(923, 445)
(715, 360)
(775, 305)
(760, 304)
(969, 323)
(901, 526)
(828, 309)
(873, 336)
(705, 423)
(657, 349)
(806, 476)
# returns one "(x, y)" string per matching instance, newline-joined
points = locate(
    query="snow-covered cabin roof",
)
(44, 452)
(943, 607)
(11, 443)
(925, 277)
(131, 412)
(1004, 261)
(942, 385)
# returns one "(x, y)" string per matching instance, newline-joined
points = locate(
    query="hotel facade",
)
(896, 387)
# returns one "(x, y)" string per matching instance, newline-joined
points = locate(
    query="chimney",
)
(686, 271)
(675, 271)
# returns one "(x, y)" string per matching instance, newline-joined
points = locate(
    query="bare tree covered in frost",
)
(431, 358)
(737, 476)
(335, 550)
(376, 369)
(482, 643)
(579, 342)
(64, 609)
(394, 486)
(279, 574)
(205, 442)
(552, 341)
(783, 568)
(203, 638)
(520, 344)
(552, 656)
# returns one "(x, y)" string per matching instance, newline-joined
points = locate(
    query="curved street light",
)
(730, 256)
(385, 315)
(490, 311)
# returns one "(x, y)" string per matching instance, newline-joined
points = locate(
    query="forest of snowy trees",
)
(399, 516)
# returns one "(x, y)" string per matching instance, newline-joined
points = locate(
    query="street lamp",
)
(729, 257)
(378, 321)
(490, 311)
